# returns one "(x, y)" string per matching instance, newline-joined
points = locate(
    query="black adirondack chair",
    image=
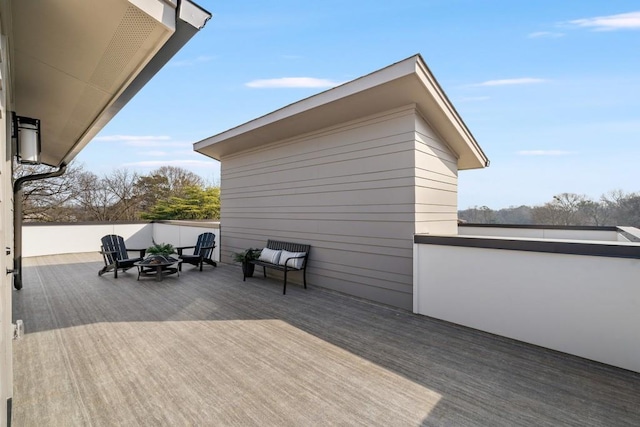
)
(202, 251)
(116, 256)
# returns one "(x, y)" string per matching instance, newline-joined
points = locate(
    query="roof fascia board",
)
(392, 72)
(193, 14)
(157, 10)
(434, 88)
(433, 106)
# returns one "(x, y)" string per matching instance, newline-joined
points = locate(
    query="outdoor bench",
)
(283, 256)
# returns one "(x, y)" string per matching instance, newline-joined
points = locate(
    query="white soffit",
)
(403, 83)
(75, 63)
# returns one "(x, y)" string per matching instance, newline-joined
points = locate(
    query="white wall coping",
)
(542, 239)
(611, 249)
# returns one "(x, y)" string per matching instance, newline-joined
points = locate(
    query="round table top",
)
(156, 262)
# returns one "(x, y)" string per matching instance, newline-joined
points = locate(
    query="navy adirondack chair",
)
(202, 251)
(116, 256)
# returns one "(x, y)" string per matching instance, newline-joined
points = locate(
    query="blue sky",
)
(550, 89)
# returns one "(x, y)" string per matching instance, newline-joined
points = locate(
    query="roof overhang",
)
(76, 63)
(403, 83)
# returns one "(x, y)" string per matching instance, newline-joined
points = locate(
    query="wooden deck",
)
(205, 348)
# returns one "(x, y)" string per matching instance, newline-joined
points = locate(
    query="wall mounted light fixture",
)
(27, 133)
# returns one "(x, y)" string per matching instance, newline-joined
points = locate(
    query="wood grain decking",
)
(207, 349)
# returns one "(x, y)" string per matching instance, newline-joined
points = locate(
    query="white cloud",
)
(157, 144)
(150, 141)
(129, 138)
(179, 163)
(543, 153)
(509, 82)
(191, 62)
(621, 21)
(292, 82)
(545, 35)
(154, 153)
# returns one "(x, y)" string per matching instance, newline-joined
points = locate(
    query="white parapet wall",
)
(581, 304)
(184, 233)
(51, 239)
(541, 232)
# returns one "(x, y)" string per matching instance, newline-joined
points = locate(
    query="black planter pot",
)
(247, 269)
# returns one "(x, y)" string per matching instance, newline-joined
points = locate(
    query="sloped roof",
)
(403, 83)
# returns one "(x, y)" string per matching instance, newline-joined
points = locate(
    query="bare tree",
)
(624, 207)
(594, 213)
(564, 209)
(94, 199)
(47, 200)
(478, 215)
(121, 193)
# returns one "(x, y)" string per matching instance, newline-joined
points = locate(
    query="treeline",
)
(171, 192)
(613, 208)
(79, 195)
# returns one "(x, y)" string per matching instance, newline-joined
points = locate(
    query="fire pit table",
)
(158, 266)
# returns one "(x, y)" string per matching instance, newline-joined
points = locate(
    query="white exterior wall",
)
(588, 306)
(349, 191)
(6, 232)
(38, 240)
(186, 235)
(628, 234)
(539, 233)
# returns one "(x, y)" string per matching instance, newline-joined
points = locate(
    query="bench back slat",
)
(288, 246)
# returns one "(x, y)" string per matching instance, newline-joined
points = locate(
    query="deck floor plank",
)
(206, 348)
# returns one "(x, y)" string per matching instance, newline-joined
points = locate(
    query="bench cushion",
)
(293, 263)
(270, 255)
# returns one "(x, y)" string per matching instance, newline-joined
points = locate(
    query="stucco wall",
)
(349, 191)
(50, 239)
(577, 304)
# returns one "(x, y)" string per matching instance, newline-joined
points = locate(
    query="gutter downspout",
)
(17, 219)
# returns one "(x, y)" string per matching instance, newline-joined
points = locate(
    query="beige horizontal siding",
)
(356, 193)
(436, 185)
(348, 191)
(362, 289)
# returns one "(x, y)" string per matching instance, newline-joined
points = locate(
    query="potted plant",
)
(244, 257)
(160, 250)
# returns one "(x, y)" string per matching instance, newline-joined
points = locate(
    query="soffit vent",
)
(131, 34)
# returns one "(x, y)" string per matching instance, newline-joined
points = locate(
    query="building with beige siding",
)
(355, 172)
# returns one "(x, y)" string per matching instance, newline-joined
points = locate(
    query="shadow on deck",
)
(207, 349)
